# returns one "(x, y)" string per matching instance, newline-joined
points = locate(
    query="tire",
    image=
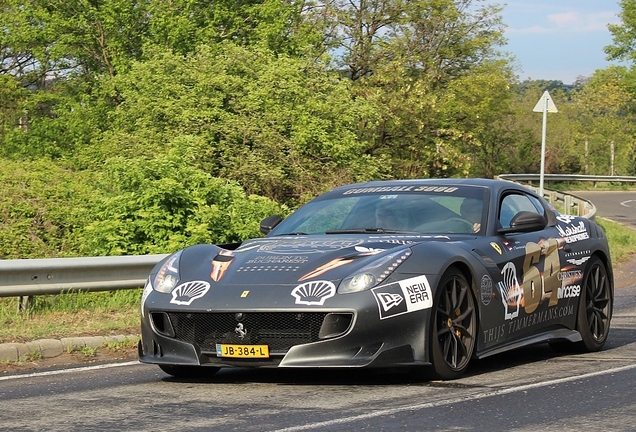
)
(595, 307)
(179, 371)
(453, 327)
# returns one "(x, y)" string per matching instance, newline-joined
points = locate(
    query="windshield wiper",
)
(368, 231)
(295, 233)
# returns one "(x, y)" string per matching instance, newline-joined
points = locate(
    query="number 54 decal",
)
(536, 284)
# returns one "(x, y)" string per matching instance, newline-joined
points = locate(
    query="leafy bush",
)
(42, 207)
(161, 204)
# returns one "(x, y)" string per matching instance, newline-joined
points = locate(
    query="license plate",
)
(242, 351)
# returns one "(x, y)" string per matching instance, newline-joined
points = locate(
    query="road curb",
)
(48, 348)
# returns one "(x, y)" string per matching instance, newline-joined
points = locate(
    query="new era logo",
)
(388, 300)
(408, 295)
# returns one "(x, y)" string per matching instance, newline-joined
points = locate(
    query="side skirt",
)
(549, 336)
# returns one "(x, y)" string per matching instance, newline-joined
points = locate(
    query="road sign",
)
(545, 104)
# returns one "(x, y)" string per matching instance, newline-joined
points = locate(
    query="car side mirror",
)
(269, 223)
(525, 221)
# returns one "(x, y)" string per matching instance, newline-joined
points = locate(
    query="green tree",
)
(277, 25)
(623, 34)
(479, 107)
(605, 108)
(282, 127)
(23, 42)
(11, 115)
(403, 58)
(441, 39)
(74, 36)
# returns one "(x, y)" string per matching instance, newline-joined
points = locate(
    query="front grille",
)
(279, 330)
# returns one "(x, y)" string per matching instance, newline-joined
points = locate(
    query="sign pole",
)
(545, 105)
(543, 135)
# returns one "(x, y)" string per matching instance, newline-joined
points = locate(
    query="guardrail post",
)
(567, 199)
(24, 302)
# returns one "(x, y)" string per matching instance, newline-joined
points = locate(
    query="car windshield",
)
(443, 210)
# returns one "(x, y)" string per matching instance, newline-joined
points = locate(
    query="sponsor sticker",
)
(220, 264)
(566, 218)
(188, 292)
(569, 291)
(578, 261)
(485, 290)
(314, 293)
(496, 247)
(411, 188)
(573, 233)
(278, 259)
(275, 268)
(408, 295)
(511, 292)
(296, 246)
(569, 277)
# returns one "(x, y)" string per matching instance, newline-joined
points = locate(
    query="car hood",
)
(294, 259)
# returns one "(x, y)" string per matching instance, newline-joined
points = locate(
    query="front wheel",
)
(595, 307)
(453, 326)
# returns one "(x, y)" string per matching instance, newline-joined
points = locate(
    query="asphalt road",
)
(525, 390)
(619, 206)
(529, 389)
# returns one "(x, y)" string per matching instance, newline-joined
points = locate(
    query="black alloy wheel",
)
(454, 326)
(595, 306)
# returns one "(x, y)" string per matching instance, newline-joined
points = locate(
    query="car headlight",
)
(374, 273)
(168, 275)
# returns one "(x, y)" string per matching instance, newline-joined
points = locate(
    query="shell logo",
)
(188, 292)
(314, 293)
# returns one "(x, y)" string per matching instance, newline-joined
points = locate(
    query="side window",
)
(537, 205)
(512, 204)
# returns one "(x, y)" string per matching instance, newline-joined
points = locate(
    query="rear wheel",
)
(453, 326)
(180, 371)
(595, 307)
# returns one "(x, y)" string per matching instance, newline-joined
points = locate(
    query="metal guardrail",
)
(569, 202)
(568, 178)
(29, 277)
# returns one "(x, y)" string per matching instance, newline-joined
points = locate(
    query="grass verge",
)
(622, 240)
(71, 314)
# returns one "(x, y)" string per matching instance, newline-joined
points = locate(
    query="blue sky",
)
(558, 39)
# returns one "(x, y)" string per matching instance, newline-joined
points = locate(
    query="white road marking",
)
(624, 203)
(71, 370)
(496, 392)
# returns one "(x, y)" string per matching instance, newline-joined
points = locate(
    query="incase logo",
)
(407, 295)
(569, 291)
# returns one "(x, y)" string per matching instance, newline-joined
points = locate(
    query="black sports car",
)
(384, 274)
